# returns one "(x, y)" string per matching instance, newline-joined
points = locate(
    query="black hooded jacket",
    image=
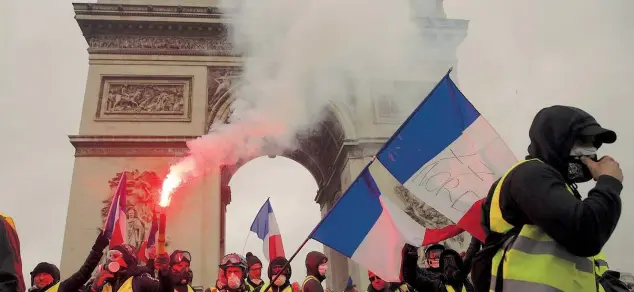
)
(417, 278)
(535, 193)
(455, 271)
(276, 262)
(313, 260)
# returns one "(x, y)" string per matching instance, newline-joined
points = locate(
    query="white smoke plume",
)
(303, 55)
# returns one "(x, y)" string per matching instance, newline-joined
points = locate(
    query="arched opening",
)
(321, 152)
(291, 189)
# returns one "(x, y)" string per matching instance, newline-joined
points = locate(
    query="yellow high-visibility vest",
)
(54, 288)
(533, 261)
(451, 289)
(126, 287)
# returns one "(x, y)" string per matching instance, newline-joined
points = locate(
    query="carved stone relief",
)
(141, 198)
(222, 85)
(394, 102)
(426, 215)
(145, 99)
(215, 46)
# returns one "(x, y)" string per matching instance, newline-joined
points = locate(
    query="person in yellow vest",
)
(316, 268)
(121, 273)
(541, 235)
(45, 277)
(452, 267)
(180, 271)
(283, 281)
(379, 285)
(254, 271)
(221, 282)
(11, 278)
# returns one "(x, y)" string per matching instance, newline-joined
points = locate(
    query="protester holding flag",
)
(46, 276)
(121, 273)
(283, 281)
(316, 268)
(254, 271)
(536, 204)
(428, 279)
(10, 259)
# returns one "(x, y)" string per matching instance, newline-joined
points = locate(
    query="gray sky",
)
(517, 58)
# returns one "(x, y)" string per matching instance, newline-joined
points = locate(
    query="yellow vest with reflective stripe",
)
(252, 288)
(308, 279)
(126, 287)
(533, 261)
(54, 288)
(288, 288)
(451, 289)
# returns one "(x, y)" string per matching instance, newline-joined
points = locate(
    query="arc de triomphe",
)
(160, 74)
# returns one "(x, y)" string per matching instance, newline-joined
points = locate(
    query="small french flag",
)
(115, 225)
(149, 241)
(265, 226)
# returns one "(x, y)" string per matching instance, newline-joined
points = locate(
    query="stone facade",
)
(163, 72)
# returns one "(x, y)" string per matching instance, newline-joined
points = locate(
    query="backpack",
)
(482, 262)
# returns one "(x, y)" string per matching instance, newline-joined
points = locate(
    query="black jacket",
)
(313, 260)
(535, 192)
(142, 280)
(417, 278)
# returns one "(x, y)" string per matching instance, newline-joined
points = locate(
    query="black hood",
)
(313, 260)
(554, 130)
(48, 268)
(456, 257)
(280, 262)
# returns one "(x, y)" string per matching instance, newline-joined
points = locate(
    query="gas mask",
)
(578, 172)
(233, 281)
(323, 268)
(280, 280)
(180, 277)
(433, 259)
(112, 265)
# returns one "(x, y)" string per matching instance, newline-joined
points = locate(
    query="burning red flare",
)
(171, 182)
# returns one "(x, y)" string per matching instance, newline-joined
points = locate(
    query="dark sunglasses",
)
(374, 278)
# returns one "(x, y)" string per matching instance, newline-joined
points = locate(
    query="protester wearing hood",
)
(316, 268)
(537, 202)
(453, 268)
(121, 273)
(429, 279)
(45, 277)
(11, 278)
(379, 285)
(180, 272)
(283, 282)
(254, 267)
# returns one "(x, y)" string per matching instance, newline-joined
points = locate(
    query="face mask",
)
(578, 172)
(179, 277)
(280, 280)
(112, 267)
(323, 268)
(233, 281)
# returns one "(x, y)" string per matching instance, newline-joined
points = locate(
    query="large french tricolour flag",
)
(265, 226)
(115, 224)
(445, 155)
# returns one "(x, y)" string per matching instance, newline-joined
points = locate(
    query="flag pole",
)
(245, 241)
